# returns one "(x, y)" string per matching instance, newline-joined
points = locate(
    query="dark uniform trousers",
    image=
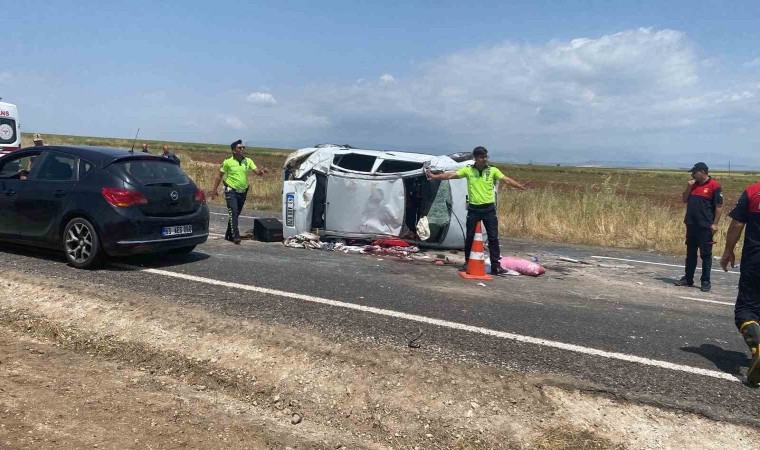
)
(235, 201)
(487, 214)
(698, 238)
(748, 300)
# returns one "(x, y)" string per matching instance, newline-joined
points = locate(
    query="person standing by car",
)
(235, 172)
(145, 147)
(704, 199)
(38, 140)
(481, 179)
(169, 155)
(747, 309)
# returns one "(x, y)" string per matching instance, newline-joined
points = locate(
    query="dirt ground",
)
(97, 367)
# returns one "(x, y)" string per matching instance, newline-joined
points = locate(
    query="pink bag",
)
(522, 266)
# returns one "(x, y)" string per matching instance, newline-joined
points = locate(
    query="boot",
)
(751, 332)
(684, 282)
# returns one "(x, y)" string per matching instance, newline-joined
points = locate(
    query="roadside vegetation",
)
(628, 208)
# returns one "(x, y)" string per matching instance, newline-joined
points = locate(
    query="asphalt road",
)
(583, 325)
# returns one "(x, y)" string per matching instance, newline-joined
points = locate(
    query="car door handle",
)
(59, 193)
(10, 192)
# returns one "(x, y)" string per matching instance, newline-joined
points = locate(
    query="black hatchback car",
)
(94, 201)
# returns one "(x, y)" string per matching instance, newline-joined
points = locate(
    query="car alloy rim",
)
(78, 242)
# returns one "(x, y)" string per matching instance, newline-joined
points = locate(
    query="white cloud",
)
(232, 122)
(261, 98)
(607, 92)
(387, 78)
(643, 92)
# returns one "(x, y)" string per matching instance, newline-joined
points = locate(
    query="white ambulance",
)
(10, 129)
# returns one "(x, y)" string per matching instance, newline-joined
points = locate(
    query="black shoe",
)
(706, 286)
(498, 271)
(684, 282)
(463, 267)
(751, 333)
(753, 373)
(236, 241)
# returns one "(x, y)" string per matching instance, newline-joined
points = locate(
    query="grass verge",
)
(638, 209)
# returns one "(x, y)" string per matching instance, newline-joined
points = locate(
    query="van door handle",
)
(59, 193)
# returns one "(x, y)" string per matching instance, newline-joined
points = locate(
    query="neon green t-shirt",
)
(480, 184)
(237, 172)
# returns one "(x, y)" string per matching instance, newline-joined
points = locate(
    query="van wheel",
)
(81, 244)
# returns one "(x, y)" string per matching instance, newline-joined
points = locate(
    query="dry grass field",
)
(598, 206)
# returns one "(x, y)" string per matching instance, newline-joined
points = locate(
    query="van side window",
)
(391, 166)
(355, 161)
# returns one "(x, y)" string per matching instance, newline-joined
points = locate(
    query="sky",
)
(619, 82)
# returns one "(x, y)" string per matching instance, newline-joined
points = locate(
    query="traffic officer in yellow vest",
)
(235, 171)
(481, 179)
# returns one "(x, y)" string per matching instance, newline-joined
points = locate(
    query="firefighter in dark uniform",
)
(704, 200)
(747, 309)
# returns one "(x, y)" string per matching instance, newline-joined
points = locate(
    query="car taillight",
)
(123, 198)
(200, 196)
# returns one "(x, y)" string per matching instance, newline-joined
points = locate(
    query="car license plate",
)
(290, 210)
(179, 229)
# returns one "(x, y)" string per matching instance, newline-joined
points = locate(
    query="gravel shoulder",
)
(102, 367)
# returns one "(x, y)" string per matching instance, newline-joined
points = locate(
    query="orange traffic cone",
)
(476, 265)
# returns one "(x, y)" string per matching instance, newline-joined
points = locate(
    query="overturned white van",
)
(350, 193)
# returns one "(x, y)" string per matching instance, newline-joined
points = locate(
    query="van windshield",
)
(151, 172)
(7, 131)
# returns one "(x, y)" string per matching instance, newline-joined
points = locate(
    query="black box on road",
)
(267, 230)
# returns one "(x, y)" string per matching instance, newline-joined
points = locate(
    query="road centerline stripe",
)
(706, 301)
(444, 324)
(657, 263)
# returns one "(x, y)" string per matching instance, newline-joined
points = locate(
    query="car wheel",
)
(181, 250)
(81, 244)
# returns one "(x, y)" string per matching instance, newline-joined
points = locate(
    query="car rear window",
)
(148, 172)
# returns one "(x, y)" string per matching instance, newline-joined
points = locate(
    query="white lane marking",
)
(706, 301)
(226, 215)
(658, 264)
(445, 324)
(216, 234)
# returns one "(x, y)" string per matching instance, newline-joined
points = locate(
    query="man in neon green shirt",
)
(481, 180)
(235, 171)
